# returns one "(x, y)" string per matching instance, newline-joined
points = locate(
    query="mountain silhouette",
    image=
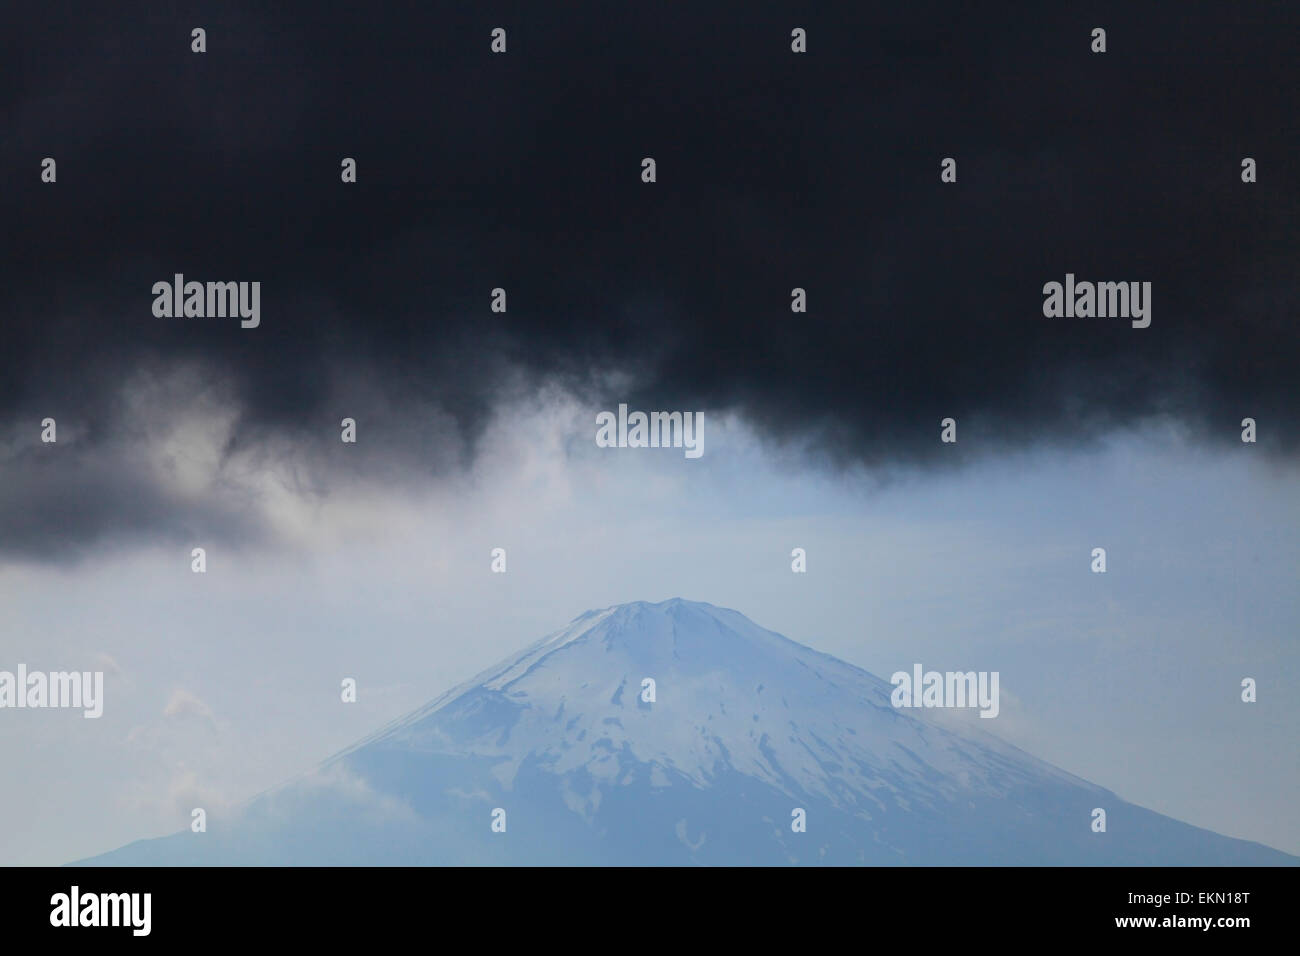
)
(561, 746)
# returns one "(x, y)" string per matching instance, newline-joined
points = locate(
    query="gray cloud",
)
(521, 172)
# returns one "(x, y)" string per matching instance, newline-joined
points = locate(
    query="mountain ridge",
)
(747, 726)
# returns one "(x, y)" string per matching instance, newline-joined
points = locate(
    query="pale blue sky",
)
(221, 685)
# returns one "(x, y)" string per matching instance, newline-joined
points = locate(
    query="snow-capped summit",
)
(681, 732)
(728, 696)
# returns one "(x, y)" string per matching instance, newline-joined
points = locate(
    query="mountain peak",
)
(701, 690)
(671, 606)
(681, 732)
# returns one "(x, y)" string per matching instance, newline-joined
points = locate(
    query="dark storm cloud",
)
(522, 171)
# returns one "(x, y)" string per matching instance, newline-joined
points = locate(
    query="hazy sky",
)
(222, 684)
